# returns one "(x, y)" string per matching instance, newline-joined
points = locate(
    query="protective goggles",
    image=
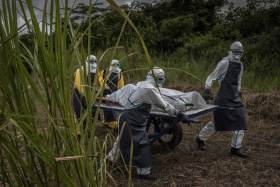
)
(92, 61)
(237, 52)
(160, 79)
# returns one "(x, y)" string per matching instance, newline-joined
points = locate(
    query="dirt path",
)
(188, 166)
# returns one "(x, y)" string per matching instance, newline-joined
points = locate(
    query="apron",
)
(135, 121)
(113, 85)
(113, 82)
(230, 114)
(78, 102)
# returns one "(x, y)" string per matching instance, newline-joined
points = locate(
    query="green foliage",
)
(223, 31)
(174, 29)
(191, 31)
(205, 46)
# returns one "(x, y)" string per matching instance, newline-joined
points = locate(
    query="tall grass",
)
(39, 144)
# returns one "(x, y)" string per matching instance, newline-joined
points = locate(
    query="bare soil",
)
(188, 166)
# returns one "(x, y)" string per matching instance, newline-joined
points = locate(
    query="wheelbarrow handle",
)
(181, 117)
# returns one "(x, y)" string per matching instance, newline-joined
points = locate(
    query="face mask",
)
(235, 57)
(92, 67)
(115, 69)
(161, 81)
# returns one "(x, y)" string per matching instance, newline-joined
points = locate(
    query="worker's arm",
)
(77, 81)
(100, 76)
(153, 97)
(121, 81)
(239, 78)
(217, 74)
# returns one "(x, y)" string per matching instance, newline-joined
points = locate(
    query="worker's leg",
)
(134, 132)
(207, 131)
(237, 138)
(236, 143)
(77, 103)
(114, 153)
(108, 115)
(143, 171)
(109, 118)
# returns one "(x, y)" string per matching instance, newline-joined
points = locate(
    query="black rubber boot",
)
(200, 143)
(146, 177)
(237, 152)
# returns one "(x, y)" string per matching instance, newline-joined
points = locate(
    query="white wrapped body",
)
(161, 99)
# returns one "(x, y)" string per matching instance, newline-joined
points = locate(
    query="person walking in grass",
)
(115, 81)
(81, 79)
(230, 114)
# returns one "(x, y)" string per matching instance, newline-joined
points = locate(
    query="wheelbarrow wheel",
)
(173, 137)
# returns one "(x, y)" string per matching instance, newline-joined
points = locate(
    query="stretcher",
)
(162, 127)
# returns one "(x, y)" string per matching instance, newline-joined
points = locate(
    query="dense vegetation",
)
(197, 32)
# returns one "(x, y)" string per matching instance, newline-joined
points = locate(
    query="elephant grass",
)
(39, 143)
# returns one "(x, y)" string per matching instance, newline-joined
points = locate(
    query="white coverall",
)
(209, 129)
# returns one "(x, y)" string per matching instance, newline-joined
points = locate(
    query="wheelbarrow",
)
(162, 127)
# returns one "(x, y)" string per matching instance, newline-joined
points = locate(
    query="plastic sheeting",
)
(131, 95)
(182, 101)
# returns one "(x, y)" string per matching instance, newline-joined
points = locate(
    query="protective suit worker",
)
(134, 121)
(81, 78)
(230, 115)
(114, 82)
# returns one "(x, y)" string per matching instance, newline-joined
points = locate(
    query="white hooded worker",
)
(133, 121)
(83, 80)
(114, 82)
(230, 114)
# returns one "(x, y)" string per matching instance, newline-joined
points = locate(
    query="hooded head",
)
(91, 64)
(159, 75)
(236, 51)
(115, 66)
